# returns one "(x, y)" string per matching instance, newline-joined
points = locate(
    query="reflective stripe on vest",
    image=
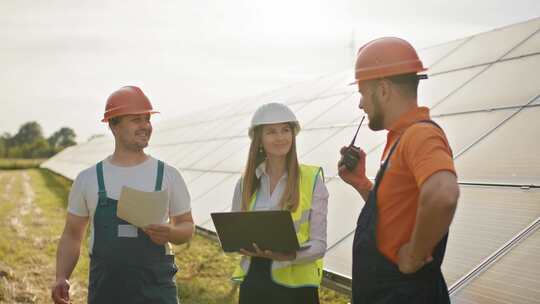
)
(286, 273)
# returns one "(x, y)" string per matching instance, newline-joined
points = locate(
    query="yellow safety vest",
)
(286, 273)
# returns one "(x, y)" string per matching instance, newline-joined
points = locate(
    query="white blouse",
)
(315, 248)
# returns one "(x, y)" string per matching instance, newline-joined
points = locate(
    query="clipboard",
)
(270, 230)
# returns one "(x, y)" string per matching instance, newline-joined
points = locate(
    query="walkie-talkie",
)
(350, 157)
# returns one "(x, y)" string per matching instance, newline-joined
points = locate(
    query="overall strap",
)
(384, 165)
(430, 122)
(159, 178)
(102, 192)
(437, 125)
(385, 162)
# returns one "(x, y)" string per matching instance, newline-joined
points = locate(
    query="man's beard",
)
(376, 122)
(135, 146)
(139, 146)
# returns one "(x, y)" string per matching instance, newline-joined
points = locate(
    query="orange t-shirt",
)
(422, 151)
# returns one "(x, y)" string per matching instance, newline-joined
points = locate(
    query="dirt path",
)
(7, 180)
(25, 279)
(24, 207)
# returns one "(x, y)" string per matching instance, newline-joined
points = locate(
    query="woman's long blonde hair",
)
(250, 182)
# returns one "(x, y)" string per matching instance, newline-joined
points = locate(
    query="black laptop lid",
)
(272, 230)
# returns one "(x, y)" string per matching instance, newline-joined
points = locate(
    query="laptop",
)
(270, 230)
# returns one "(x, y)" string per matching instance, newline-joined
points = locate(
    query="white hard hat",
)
(272, 113)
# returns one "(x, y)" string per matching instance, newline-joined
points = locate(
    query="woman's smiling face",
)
(277, 139)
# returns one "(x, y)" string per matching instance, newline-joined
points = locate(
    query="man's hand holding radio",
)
(355, 175)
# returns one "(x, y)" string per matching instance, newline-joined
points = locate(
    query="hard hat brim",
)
(420, 77)
(107, 118)
(297, 127)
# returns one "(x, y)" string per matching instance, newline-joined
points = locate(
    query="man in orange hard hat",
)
(127, 264)
(401, 233)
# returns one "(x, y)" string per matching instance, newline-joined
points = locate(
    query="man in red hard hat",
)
(127, 264)
(401, 233)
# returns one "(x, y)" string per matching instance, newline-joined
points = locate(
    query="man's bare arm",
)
(67, 255)
(437, 203)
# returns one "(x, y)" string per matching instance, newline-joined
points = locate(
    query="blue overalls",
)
(376, 279)
(127, 269)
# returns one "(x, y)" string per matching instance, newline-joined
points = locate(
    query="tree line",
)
(29, 142)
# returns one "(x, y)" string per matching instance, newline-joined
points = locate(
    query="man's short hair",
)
(115, 120)
(407, 84)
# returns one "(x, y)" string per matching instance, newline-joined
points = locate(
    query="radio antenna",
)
(355, 134)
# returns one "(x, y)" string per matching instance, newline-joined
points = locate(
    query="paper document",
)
(141, 208)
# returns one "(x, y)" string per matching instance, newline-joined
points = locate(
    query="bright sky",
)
(60, 59)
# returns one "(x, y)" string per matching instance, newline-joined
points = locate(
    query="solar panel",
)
(205, 183)
(215, 200)
(344, 110)
(486, 218)
(439, 87)
(464, 130)
(484, 90)
(488, 47)
(327, 153)
(434, 54)
(236, 161)
(509, 155)
(223, 153)
(339, 257)
(190, 175)
(531, 46)
(512, 279)
(344, 205)
(491, 88)
(309, 139)
(310, 113)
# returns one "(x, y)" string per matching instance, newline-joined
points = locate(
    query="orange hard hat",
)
(387, 56)
(127, 100)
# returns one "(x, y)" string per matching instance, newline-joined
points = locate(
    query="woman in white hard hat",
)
(274, 180)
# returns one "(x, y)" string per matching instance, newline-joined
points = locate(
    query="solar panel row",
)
(484, 90)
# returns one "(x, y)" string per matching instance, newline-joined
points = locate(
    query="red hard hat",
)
(387, 56)
(127, 100)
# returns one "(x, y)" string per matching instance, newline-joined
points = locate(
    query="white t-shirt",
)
(83, 196)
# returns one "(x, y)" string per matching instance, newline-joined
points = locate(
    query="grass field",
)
(32, 213)
(19, 163)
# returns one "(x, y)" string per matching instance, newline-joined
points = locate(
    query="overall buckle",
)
(102, 198)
